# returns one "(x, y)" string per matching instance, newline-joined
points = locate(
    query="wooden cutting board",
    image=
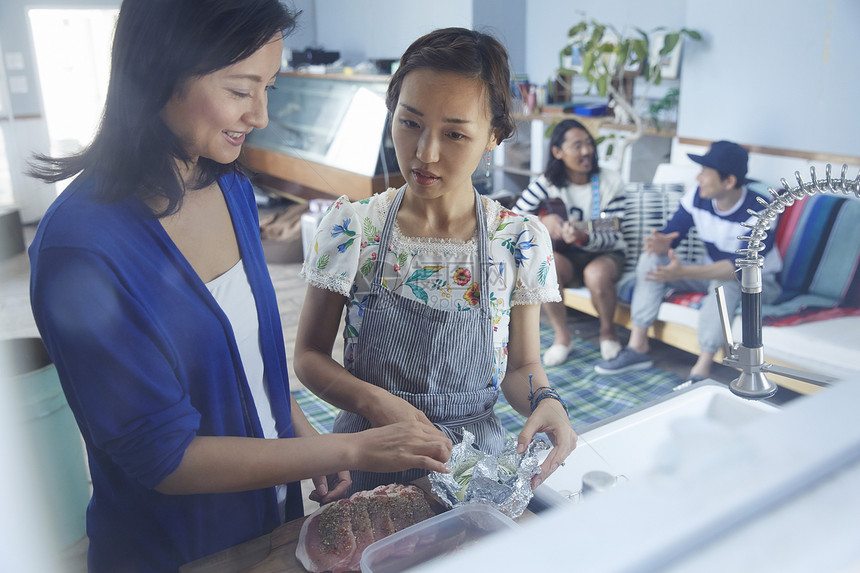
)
(276, 552)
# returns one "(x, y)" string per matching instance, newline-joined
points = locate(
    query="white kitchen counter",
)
(778, 494)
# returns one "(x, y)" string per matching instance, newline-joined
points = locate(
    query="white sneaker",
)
(609, 349)
(556, 354)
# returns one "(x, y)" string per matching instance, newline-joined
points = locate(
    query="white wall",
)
(505, 20)
(373, 29)
(305, 33)
(779, 73)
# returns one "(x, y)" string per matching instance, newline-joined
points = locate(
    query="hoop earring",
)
(488, 164)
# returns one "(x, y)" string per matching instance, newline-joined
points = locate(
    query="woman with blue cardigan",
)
(151, 292)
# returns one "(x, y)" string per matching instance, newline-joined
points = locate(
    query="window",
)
(73, 57)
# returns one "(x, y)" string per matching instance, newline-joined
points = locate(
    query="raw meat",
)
(334, 537)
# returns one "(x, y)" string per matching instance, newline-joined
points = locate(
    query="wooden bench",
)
(678, 335)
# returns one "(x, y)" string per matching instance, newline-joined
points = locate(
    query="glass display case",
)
(326, 134)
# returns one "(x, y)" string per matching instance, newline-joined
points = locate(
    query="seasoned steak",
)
(334, 537)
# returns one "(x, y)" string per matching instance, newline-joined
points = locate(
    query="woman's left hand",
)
(326, 488)
(550, 418)
(571, 235)
(331, 487)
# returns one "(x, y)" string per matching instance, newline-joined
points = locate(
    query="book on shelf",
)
(557, 108)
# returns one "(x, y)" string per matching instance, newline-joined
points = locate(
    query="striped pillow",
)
(819, 240)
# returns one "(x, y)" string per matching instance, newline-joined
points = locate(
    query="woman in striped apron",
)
(442, 287)
(432, 347)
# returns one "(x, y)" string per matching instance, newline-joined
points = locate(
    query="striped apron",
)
(439, 361)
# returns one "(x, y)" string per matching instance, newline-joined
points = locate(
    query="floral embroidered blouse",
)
(438, 272)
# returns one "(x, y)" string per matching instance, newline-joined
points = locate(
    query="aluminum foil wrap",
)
(502, 481)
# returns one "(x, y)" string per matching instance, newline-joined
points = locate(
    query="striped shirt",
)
(719, 230)
(578, 202)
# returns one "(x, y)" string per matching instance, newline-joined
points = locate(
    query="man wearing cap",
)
(717, 208)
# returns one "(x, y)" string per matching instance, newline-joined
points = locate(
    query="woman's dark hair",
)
(555, 170)
(468, 53)
(159, 45)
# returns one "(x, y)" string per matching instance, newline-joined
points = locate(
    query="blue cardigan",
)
(147, 361)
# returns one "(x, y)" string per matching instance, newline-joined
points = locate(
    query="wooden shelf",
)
(516, 171)
(592, 124)
(595, 123)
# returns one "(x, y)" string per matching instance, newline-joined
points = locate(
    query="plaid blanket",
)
(590, 396)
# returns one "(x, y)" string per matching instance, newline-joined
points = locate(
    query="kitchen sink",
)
(648, 439)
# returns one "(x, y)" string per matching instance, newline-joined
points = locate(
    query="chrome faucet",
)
(748, 356)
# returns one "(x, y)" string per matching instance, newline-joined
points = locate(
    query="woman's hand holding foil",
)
(550, 418)
(526, 379)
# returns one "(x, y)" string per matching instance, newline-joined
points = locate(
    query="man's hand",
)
(671, 272)
(554, 224)
(570, 234)
(658, 244)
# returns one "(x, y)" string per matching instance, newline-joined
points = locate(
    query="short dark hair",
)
(471, 54)
(723, 175)
(555, 170)
(158, 45)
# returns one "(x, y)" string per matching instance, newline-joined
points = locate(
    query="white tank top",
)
(232, 292)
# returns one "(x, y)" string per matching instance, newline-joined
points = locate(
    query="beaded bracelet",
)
(545, 392)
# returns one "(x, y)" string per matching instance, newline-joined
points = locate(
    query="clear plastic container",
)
(433, 538)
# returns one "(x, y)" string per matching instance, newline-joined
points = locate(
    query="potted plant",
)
(609, 61)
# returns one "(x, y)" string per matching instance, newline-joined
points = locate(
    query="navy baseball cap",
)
(727, 158)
